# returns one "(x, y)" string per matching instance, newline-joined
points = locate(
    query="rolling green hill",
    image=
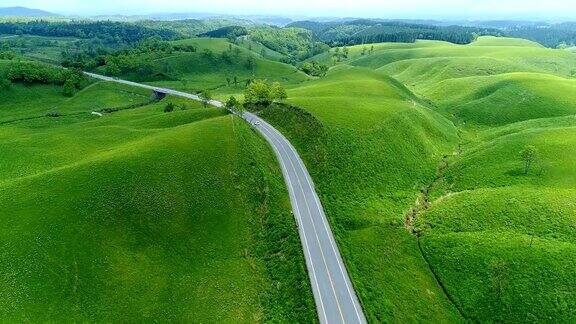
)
(369, 144)
(505, 98)
(415, 149)
(500, 241)
(511, 234)
(142, 215)
(215, 62)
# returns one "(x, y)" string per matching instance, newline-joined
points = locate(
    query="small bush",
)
(169, 107)
(5, 84)
(314, 69)
(53, 114)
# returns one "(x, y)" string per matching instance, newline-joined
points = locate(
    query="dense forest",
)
(297, 43)
(231, 32)
(365, 31)
(193, 27)
(548, 35)
(111, 33)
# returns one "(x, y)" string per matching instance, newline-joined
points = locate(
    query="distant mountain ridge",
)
(25, 12)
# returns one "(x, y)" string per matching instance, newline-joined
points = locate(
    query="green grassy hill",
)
(370, 144)
(505, 98)
(510, 233)
(216, 62)
(504, 54)
(443, 162)
(415, 151)
(142, 215)
(504, 41)
(500, 241)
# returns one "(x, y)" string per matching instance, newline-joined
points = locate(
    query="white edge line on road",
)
(330, 238)
(315, 230)
(316, 198)
(299, 220)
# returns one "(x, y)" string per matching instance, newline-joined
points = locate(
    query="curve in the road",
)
(336, 301)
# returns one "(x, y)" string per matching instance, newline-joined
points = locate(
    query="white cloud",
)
(368, 8)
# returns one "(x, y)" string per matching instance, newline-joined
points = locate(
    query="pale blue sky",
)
(480, 9)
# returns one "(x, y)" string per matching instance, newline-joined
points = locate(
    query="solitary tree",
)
(5, 83)
(258, 92)
(232, 103)
(529, 155)
(169, 107)
(206, 97)
(250, 63)
(278, 92)
(345, 51)
(69, 88)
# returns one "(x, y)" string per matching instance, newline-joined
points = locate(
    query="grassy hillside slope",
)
(370, 144)
(500, 240)
(142, 215)
(505, 55)
(505, 98)
(216, 62)
(387, 164)
(511, 233)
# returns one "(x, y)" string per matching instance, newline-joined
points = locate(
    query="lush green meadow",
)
(370, 144)
(499, 240)
(218, 66)
(142, 215)
(414, 148)
(426, 138)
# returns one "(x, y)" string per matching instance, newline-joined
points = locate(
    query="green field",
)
(39, 47)
(142, 215)
(443, 125)
(195, 72)
(369, 144)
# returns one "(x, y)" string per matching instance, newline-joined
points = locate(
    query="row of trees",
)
(258, 94)
(367, 31)
(554, 36)
(297, 44)
(111, 33)
(314, 68)
(36, 73)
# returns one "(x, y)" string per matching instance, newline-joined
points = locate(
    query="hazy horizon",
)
(394, 9)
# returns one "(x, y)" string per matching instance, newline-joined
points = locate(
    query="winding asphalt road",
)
(336, 301)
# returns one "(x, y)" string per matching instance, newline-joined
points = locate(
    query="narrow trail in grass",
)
(423, 203)
(437, 278)
(103, 110)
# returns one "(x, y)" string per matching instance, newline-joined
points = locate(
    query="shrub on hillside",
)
(232, 103)
(261, 93)
(5, 83)
(314, 68)
(206, 97)
(529, 156)
(31, 73)
(169, 107)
